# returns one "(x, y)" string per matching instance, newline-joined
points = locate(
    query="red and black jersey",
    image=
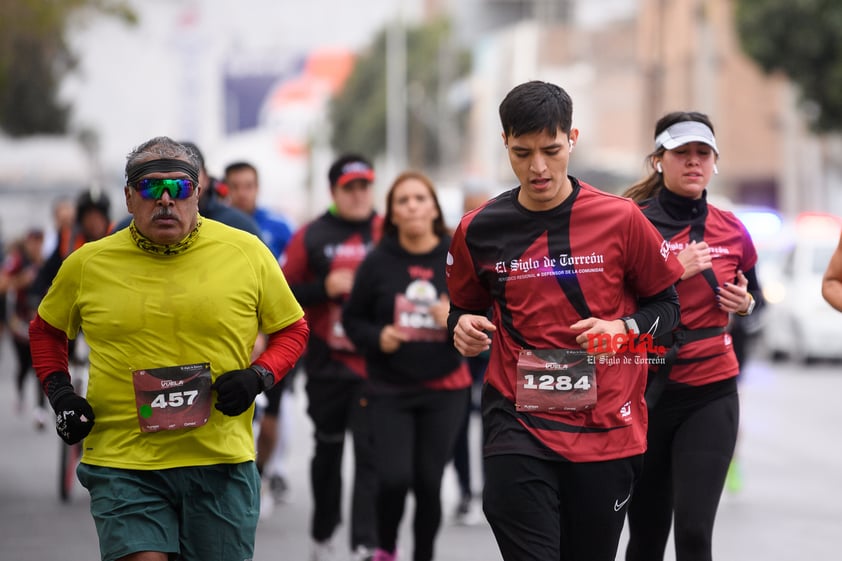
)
(540, 272)
(680, 221)
(325, 244)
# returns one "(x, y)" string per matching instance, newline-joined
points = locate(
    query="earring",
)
(715, 170)
(658, 167)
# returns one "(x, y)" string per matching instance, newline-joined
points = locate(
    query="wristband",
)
(751, 304)
(631, 325)
(56, 385)
(267, 379)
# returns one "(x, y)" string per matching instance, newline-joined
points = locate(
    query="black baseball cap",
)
(348, 168)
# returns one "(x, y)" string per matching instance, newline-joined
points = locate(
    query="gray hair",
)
(161, 147)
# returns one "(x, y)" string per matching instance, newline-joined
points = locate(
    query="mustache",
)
(163, 212)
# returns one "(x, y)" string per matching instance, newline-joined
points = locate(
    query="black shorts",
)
(545, 509)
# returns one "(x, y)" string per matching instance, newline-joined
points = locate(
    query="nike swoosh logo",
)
(619, 505)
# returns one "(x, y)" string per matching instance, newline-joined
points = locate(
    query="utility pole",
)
(396, 99)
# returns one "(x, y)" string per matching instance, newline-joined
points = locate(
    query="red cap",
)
(355, 170)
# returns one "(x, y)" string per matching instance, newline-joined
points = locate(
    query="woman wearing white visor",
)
(692, 390)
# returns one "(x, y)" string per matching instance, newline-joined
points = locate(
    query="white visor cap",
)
(685, 132)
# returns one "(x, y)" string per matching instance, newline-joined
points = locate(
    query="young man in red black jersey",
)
(321, 260)
(561, 265)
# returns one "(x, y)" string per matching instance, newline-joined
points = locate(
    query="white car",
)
(797, 322)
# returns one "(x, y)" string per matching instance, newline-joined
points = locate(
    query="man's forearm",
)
(658, 314)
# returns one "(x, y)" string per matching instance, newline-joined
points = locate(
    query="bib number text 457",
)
(174, 399)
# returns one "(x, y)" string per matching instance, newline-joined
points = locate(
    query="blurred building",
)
(624, 62)
(244, 89)
(277, 120)
(628, 67)
(38, 170)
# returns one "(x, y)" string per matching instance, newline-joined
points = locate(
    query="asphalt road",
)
(790, 506)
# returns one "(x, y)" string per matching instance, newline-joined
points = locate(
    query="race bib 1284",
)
(555, 379)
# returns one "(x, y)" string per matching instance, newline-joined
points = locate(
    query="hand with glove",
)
(236, 390)
(74, 415)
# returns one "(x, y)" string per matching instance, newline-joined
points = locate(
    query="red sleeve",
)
(296, 266)
(49, 348)
(284, 348)
(651, 265)
(463, 285)
(749, 251)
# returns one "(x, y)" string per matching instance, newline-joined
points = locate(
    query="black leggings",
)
(462, 449)
(24, 356)
(550, 510)
(336, 406)
(684, 468)
(414, 435)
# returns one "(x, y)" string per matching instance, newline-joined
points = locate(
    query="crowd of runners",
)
(200, 307)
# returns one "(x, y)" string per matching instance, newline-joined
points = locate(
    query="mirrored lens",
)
(154, 188)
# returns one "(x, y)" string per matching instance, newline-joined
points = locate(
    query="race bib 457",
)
(173, 397)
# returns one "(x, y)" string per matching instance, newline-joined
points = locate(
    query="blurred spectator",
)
(20, 269)
(320, 264)
(92, 222)
(242, 182)
(469, 508)
(243, 185)
(64, 215)
(419, 384)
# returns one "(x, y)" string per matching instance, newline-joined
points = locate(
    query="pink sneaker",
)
(383, 555)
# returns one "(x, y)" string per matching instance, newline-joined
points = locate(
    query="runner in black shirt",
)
(321, 260)
(418, 390)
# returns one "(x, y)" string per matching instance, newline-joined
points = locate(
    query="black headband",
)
(164, 165)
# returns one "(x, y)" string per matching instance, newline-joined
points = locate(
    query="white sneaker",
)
(39, 416)
(267, 502)
(280, 489)
(362, 553)
(468, 512)
(321, 551)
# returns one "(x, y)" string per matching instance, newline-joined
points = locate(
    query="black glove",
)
(74, 415)
(236, 390)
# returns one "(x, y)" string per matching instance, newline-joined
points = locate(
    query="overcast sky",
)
(163, 76)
